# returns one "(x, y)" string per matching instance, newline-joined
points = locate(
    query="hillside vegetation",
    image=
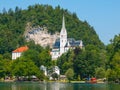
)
(94, 60)
(13, 23)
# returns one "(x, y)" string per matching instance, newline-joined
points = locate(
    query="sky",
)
(103, 15)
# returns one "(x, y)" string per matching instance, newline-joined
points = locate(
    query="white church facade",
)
(63, 44)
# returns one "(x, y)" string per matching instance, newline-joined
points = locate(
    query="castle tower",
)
(63, 37)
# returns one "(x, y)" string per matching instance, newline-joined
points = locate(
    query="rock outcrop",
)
(40, 35)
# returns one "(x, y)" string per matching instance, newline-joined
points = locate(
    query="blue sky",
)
(103, 15)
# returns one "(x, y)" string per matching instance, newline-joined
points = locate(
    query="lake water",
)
(56, 86)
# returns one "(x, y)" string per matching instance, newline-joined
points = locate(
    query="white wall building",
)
(17, 53)
(63, 44)
(56, 70)
(44, 69)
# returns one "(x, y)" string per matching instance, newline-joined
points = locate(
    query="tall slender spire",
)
(63, 29)
(63, 23)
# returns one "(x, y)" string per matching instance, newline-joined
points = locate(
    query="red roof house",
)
(17, 52)
(21, 49)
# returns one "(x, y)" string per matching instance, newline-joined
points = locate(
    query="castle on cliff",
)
(63, 44)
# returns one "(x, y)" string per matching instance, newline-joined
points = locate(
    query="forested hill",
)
(13, 23)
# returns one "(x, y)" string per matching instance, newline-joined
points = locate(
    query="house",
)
(56, 70)
(17, 52)
(53, 72)
(63, 44)
(44, 69)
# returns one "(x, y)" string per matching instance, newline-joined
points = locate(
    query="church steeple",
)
(63, 23)
(63, 37)
(63, 30)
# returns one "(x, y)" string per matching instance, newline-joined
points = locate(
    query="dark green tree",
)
(69, 74)
(25, 67)
(113, 50)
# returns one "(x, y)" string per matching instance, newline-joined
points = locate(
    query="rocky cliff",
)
(40, 35)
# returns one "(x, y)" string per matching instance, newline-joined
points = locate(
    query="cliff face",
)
(40, 36)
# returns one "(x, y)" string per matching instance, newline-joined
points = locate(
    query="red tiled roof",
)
(21, 49)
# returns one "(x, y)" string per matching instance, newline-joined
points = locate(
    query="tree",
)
(45, 58)
(32, 55)
(81, 65)
(113, 49)
(5, 69)
(24, 67)
(60, 62)
(2, 70)
(111, 75)
(69, 74)
(15, 21)
(66, 61)
(55, 76)
(12, 28)
(100, 72)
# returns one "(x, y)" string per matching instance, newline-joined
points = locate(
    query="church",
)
(63, 44)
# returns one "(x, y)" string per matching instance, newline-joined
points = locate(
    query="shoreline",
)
(82, 82)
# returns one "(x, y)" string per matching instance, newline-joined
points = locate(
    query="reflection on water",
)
(56, 86)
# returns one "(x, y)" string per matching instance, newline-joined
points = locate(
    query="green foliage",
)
(111, 75)
(65, 61)
(12, 25)
(5, 68)
(100, 72)
(32, 55)
(38, 55)
(24, 67)
(113, 50)
(83, 62)
(69, 74)
(45, 58)
(78, 78)
(2, 70)
(55, 76)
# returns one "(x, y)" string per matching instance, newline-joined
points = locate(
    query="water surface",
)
(56, 86)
